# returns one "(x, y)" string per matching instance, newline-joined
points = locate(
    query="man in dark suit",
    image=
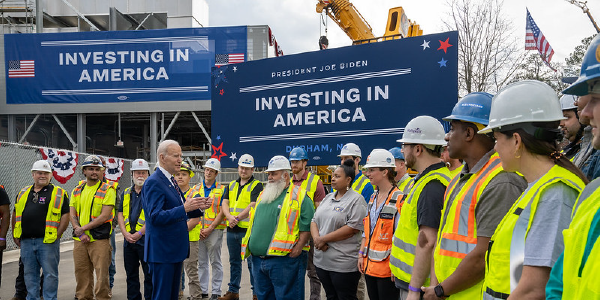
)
(167, 211)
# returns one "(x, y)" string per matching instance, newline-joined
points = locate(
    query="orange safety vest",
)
(378, 245)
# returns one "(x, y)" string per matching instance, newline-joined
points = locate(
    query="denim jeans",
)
(234, 245)
(35, 255)
(112, 270)
(279, 277)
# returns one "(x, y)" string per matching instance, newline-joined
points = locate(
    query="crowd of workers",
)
(507, 214)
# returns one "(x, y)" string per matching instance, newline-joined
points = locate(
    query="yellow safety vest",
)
(510, 235)
(287, 231)
(96, 210)
(575, 238)
(211, 213)
(309, 184)
(455, 172)
(52, 216)
(407, 231)
(239, 204)
(404, 182)
(359, 184)
(141, 219)
(458, 229)
(588, 287)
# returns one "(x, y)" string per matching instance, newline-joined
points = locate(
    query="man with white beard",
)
(132, 224)
(277, 236)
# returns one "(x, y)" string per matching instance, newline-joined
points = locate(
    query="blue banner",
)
(321, 100)
(117, 66)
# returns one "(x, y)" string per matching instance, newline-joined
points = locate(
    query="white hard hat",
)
(380, 158)
(350, 149)
(213, 163)
(278, 162)
(246, 160)
(567, 102)
(140, 165)
(524, 102)
(41, 165)
(424, 130)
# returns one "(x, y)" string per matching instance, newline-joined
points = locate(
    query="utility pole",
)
(586, 10)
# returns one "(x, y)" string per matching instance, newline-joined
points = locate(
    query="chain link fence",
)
(15, 173)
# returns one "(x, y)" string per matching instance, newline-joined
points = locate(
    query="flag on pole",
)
(535, 40)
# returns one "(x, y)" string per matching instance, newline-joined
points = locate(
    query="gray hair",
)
(164, 146)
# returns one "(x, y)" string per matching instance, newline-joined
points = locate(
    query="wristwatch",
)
(439, 291)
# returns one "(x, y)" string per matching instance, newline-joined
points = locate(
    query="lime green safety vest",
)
(406, 234)
(575, 238)
(510, 235)
(126, 211)
(309, 184)
(211, 213)
(359, 184)
(96, 210)
(287, 231)
(457, 235)
(239, 204)
(588, 287)
(52, 216)
(404, 182)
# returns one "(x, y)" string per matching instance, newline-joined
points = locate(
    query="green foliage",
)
(573, 62)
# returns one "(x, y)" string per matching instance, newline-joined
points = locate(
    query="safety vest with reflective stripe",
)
(239, 204)
(575, 238)
(588, 287)
(458, 229)
(53, 214)
(407, 231)
(309, 184)
(456, 171)
(404, 182)
(126, 212)
(359, 184)
(507, 245)
(287, 231)
(211, 213)
(378, 244)
(96, 210)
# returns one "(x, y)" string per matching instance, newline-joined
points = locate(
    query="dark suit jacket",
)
(167, 239)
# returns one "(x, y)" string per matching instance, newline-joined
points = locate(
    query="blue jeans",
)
(36, 254)
(279, 277)
(234, 245)
(112, 269)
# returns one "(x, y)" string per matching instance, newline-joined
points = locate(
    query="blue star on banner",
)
(218, 137)
(219, 74)
(442, 62)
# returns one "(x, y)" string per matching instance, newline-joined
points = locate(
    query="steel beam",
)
(29, 128)
(202, 127)
(170, 126)
(81, 132)
(153, 136)
(65, 132)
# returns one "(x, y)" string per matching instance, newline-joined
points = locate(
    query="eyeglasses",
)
(406, 145)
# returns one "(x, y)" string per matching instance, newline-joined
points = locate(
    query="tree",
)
(532, 67)
(488, 55)
(574, 60)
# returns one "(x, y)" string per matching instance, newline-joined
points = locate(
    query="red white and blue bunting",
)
(63, 163)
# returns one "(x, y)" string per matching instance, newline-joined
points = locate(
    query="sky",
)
(297, 26)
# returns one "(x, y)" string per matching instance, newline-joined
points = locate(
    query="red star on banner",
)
(445, 45)
(221, 92)
(221, 153)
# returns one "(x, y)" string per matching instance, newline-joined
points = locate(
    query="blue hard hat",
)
(590, 69)
(474, 107)
(397, 153)
(298, 154)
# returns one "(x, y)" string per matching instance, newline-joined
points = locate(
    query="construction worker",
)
(571, 128)
(315, 191)
(40, 217)
(374, 254)
(361, 183)
(132, 222)
(190, 264)
(92, 205)
(524, 120)
(238, 198)
(574, 276)
(453, 164)
(210, 235)
(410, 260)
(484, 188)
(277, 236)
(4, 223)
(402, 177)
(336, 229)
(588, 158)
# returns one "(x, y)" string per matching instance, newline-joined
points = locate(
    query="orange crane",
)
(349, 19)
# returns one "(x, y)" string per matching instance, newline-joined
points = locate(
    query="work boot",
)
(214, 297)
(230, 296)
(254, 297)
(204, 296)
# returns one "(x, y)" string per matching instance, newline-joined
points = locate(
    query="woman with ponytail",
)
(524, 120)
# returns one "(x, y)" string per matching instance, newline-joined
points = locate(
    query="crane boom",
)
(343, 13)
(586, 10)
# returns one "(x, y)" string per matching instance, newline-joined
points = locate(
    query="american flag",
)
(21, 68)
(231, 58)
(535, 40)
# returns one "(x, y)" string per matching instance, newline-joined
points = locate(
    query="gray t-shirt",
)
(330, 216)
(544, 242)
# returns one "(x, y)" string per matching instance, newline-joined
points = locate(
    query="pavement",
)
(66, 283)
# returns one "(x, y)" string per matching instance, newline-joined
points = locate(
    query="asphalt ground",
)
(66, 283)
